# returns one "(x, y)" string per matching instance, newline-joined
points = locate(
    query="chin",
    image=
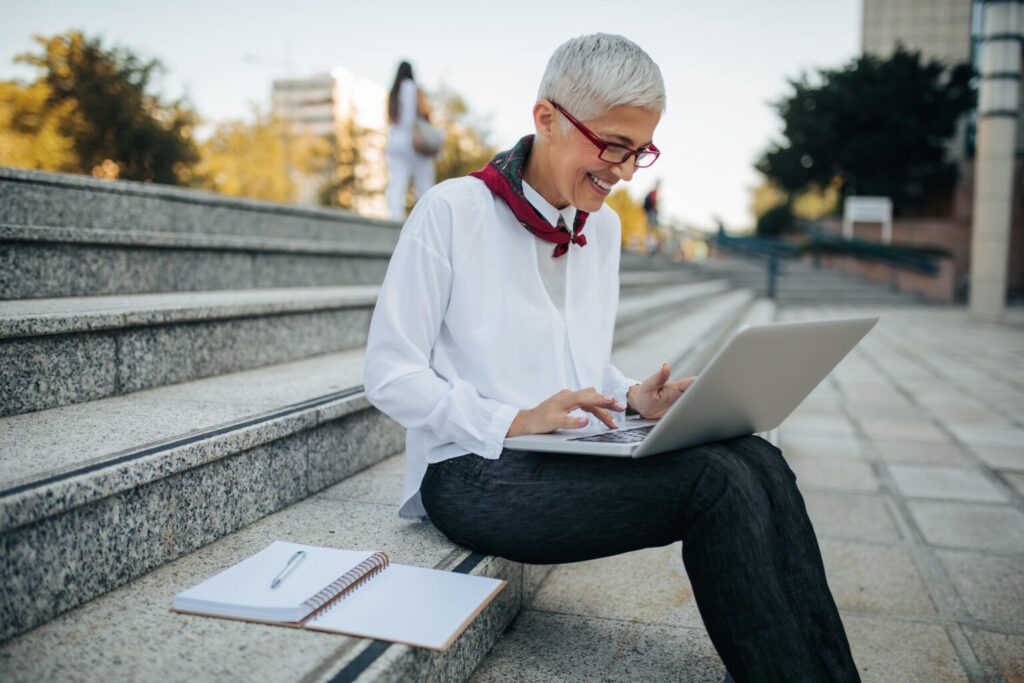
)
(590, 204)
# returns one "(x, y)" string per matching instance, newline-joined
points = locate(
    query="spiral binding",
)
(347, 582)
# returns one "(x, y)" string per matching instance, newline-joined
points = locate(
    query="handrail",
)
(925, 260)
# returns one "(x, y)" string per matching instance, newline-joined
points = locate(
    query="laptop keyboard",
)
(619, 436)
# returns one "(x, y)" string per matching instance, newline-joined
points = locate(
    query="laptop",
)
(750, 385)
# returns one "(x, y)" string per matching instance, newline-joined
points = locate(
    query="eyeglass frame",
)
(603, 145)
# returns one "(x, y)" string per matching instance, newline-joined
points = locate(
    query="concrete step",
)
(69, 350)
(59, 262)
(682, 341)
(641, 310)
(34, 198)
(131, 634)
(95, 495)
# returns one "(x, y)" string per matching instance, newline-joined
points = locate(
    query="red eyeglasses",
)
(612, 153)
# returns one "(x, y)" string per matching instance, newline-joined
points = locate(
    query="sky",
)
(723, 64)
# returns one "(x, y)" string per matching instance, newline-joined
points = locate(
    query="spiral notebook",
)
(356, 593)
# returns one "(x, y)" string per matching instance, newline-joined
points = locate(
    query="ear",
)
(544, 119)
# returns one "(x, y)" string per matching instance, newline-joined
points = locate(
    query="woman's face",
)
(580, 177)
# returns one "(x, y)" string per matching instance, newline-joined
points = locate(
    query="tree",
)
(881, 127)
(466, 148)
(116, 126)
(264, 159)
(31, 132)
(351, 170)
(631, 214)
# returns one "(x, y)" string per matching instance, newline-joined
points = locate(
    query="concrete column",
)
(998, 110)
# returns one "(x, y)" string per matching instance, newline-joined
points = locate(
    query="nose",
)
(625, 170)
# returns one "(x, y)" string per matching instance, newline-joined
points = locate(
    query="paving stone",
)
(1001, 457)
(953, 483)
(968, 416)
(816, 446)
(875, 578)
(647, 585)
(1008, 651)
(970, 525)
(541, 647)
(991, 587)
(1016, 480)
(919, 452)
(851, 516)
(903, 429)
(893, 651)
(1004, 437)
(865, 410)
(839, 476)
(833, 425)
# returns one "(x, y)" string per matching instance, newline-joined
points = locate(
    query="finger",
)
(604, 416)
(684, 384)
(588, 398)
(571, 422)
(658, 378)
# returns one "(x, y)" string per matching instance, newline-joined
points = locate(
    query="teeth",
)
(600, 183)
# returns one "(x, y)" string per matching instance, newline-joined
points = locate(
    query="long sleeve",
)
(410, 310)
(615, 383)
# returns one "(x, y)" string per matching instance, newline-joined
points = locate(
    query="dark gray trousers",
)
(748, 546)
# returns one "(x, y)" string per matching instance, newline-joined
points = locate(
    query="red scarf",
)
(504, 177)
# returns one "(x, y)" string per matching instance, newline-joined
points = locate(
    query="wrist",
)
(630, 402)
(519, 424)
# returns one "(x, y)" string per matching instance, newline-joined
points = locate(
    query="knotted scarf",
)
(504, 178)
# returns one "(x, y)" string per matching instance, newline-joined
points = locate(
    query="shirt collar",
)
(547, 210)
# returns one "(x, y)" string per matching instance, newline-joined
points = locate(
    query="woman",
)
(406, 102)
(495, 319)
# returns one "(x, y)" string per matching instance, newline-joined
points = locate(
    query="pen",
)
(293, 562)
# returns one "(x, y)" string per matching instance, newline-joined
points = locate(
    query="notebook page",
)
(244, 591)
(413, 605)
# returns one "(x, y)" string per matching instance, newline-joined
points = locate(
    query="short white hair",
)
(590, 75)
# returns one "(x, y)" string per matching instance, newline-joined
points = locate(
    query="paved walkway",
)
(911, 460)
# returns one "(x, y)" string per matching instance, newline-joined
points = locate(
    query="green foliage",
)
(247, 159)
(882, 126)
(117, 128)
(466, 148)
(31, 131)
(776, 221)
(347, 168)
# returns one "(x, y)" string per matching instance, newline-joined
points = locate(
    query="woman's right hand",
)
(554, 413)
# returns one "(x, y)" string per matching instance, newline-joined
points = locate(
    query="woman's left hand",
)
(655, 395)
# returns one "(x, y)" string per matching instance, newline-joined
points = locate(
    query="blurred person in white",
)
(496, 319)
(406, 103)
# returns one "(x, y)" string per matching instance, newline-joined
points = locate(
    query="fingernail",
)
(615, 425)
(620, 407)
(582, 421)
(609, 398)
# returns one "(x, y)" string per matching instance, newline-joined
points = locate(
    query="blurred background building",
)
(348, 112)
(947, 30)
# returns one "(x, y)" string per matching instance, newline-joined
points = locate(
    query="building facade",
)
(352, 112)
(948, 31)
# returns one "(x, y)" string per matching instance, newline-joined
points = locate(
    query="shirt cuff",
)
(618, 385)
(501, 421)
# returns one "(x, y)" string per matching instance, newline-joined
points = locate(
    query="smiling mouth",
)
(603, 186)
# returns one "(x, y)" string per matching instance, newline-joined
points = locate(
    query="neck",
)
(538, 174)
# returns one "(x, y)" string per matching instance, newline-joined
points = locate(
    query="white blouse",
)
(465, 333)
